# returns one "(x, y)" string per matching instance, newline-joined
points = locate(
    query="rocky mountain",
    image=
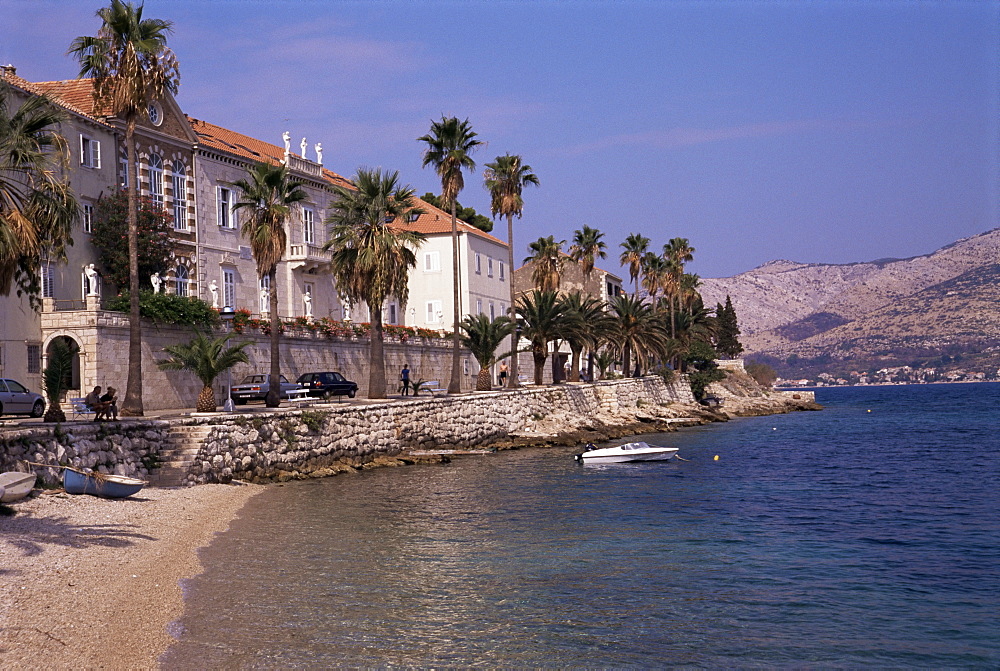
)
(890, 311)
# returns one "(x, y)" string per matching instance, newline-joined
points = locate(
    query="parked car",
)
(255, 388)
(327, 384)
(15, 399)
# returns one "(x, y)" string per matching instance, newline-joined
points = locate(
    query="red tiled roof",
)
(231, 142)
(435, 220)
(76, 95)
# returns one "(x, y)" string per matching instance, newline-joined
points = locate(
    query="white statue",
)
(156, 281)
(213, 288)
(265, 300)
(303, 145)
(287, 137)
(308, 300)
(319, 152)
(92, 287)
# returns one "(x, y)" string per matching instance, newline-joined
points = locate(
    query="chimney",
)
(8, 70)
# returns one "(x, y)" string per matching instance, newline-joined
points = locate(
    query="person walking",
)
(503, 373)
(404, 379)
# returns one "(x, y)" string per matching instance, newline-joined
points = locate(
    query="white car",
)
(15, 399)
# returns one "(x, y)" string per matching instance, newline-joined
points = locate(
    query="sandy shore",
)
(90, 583)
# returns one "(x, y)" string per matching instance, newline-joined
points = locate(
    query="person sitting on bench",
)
(94, 402)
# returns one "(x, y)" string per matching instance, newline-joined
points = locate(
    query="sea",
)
(865, 535)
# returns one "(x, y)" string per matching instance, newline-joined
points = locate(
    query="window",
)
(90, 152)
(156, 178)
(501, 271)
(433, 312)
(479, 264)
(479, 306)
(308, 226)
(123, 171)
(34, 359)
(229, 288)
(224, 201)
(432, 262)
(88, 218)
(493, 311)
(392, 313)
(47, 280)
(178, 182)
(489, 266)
(181, 280)
(265, 294)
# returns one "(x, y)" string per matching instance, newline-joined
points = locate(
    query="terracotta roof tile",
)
(76, 95)
(435, 220)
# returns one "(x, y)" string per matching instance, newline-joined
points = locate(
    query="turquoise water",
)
(865, 535)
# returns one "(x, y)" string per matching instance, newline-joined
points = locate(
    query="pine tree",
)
(728, 338)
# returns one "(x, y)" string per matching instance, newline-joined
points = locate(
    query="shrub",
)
(169, 309)
(110, 237)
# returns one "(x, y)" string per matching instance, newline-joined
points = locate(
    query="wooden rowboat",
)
(15, 485)
(98, 484)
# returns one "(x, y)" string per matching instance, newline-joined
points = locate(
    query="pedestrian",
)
(404, 379)
(503, 373)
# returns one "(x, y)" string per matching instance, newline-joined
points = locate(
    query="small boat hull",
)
(106, 486)
(15, 485)
(629, 452)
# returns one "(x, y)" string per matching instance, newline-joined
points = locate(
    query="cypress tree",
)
(728, 339)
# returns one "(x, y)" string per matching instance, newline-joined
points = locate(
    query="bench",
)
(299, 396)
(79, 407)
(433, 387)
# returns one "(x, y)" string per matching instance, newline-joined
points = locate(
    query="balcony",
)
(304, 166)
(308, 258)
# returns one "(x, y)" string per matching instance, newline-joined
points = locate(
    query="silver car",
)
(15, 399)
(255, 388)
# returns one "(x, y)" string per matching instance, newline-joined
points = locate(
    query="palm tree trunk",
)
(132, 404)
(512, 380)
(455, 384)
(539, 356)
(574, 367)
(206, 399)
(376, 355)
(273, 399)
(484, 381)
(627, 360)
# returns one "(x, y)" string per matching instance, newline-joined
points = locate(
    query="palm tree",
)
(547, 263)
(541, 321)
(482, 337)
(678, 251)
(654, 268)
(637, 332)
(449, 147)
(58, 371)
(37, 208)
(207, 358)
(635, 247)
(585, 320)
(372, 253)
(505, 179)
(131, 66)
(587, 247)
(268, 194)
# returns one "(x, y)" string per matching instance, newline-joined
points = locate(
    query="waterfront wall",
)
(320, 440)
(103, 338)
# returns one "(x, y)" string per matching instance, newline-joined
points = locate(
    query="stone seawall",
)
(329, 438)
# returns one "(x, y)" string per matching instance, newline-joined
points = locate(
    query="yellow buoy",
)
(716, 457)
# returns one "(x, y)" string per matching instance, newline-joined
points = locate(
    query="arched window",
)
(181, 275)
(178, 183)
(156, 178)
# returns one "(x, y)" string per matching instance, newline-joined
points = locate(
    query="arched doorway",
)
(72, 383)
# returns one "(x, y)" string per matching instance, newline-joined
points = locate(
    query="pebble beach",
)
(91, 583)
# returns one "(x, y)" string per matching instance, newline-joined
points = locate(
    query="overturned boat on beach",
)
(99, 484)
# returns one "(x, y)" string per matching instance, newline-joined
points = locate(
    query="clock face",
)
(155, 117)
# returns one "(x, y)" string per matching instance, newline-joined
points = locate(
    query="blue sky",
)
(825, 132)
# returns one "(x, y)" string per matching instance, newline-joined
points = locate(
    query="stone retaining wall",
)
(265, 445)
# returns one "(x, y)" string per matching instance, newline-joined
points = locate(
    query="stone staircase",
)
(177, 455)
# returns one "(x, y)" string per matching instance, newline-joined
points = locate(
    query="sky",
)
(818, 132)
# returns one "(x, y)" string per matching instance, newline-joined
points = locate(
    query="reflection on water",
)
(836, 538)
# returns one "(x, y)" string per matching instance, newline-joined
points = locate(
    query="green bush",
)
(169, 309)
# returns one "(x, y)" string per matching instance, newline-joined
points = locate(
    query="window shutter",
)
(83, 150)
(97, 153)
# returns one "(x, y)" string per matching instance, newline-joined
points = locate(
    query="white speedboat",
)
(15, 485)
(618, 454)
